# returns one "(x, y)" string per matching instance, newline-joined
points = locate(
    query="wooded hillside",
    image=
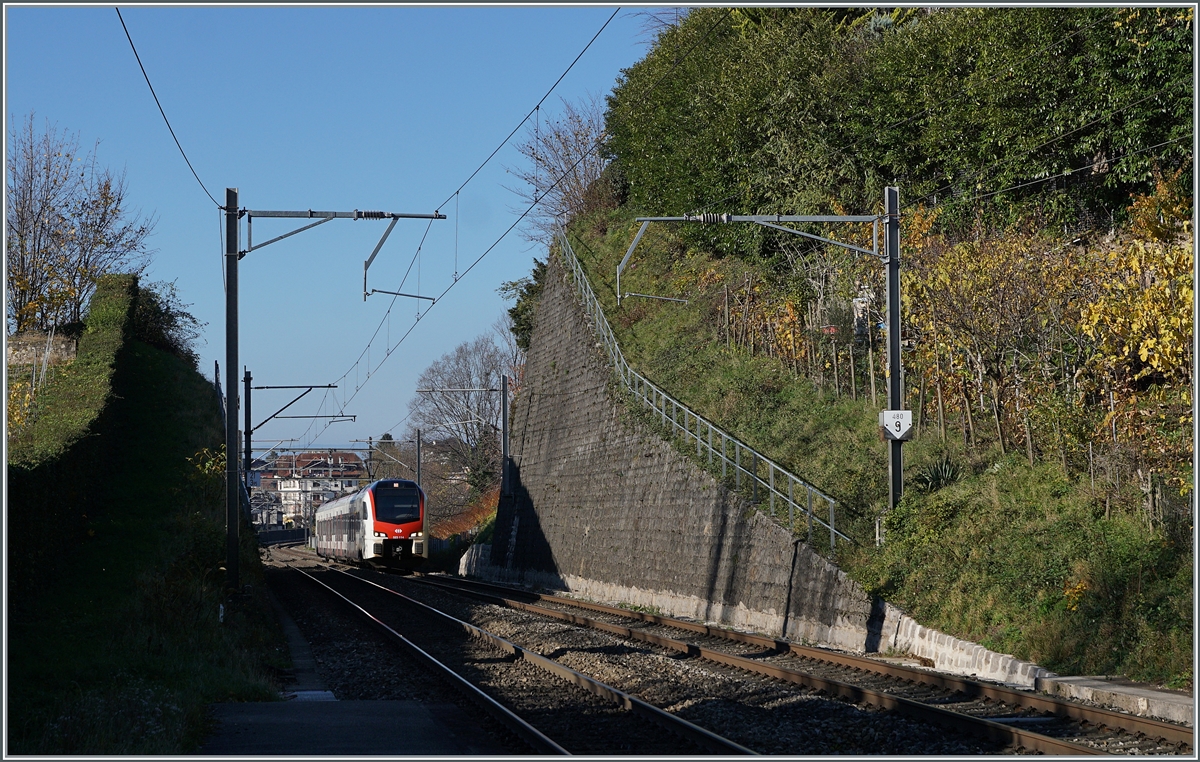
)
(1043, 157)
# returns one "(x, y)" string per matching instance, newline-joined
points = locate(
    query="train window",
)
(397, 505)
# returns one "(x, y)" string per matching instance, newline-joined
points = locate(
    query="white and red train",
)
(382, 524)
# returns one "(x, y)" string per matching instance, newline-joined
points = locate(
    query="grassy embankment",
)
(116, 551)
(1024, 558)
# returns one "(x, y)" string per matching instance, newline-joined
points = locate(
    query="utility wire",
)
(1013, 157)
(455, 196)
(160, 108)
(536, 201)
(1070, 172)
(531, 112)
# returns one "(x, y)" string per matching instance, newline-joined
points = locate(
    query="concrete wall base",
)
(1119, 694)
(902, 634)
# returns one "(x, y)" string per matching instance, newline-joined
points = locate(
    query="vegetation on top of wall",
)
(73, 395)
(525, 292)
(985, 545)
(44, 421)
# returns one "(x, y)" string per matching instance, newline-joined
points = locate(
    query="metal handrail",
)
(779, 483)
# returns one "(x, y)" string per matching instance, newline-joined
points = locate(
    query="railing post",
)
(832, 532)
(791, 506)
(710, 449)
(724, 458)
(697, 436)
(771, 479)
(809, 516)
(737, 463)
(754, 480)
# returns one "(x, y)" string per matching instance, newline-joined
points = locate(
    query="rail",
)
(747, 464)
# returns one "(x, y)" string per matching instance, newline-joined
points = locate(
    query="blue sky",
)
(387, 108)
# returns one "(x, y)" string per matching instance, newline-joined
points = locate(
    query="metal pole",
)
(791, 506)
(231, 390)
(504, 486)
(832, 532)
(248, 432)
(737, 463)
(710, 447)
(754, 483)
(771, 478)
(418, 457)
(891, 198)
(810, 517)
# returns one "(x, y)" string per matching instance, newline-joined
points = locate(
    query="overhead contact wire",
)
(531, 112)
(536, 201)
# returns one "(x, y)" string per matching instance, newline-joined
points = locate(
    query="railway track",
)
(552, 708)
(1018, 719)
(757, 712)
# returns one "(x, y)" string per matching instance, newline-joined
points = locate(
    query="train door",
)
(366, 529)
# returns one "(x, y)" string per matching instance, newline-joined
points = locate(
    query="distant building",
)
(304, 481)
(266, 512)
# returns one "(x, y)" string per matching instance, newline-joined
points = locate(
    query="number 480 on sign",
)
(896, 424)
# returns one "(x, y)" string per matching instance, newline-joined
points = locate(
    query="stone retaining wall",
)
(29, 348)
(603, 508)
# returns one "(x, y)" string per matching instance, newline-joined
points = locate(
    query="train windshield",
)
(397, 505)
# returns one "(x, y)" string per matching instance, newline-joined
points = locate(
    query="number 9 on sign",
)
(896, 424)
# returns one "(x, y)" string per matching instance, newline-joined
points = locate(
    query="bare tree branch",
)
(466, 422)
(67, 223)
(565, 165)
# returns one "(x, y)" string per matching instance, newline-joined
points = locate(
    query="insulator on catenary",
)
(710, 217)
(369, 215)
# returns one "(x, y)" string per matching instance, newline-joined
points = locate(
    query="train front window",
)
(397, 505)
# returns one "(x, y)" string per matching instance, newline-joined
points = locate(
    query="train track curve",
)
(1015, 718)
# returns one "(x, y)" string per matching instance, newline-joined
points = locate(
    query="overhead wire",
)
(366, 350)
(537, 199)
(1070, 172)
(456, 194)
(1029, 152)
(160, 108)
(531, 112)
